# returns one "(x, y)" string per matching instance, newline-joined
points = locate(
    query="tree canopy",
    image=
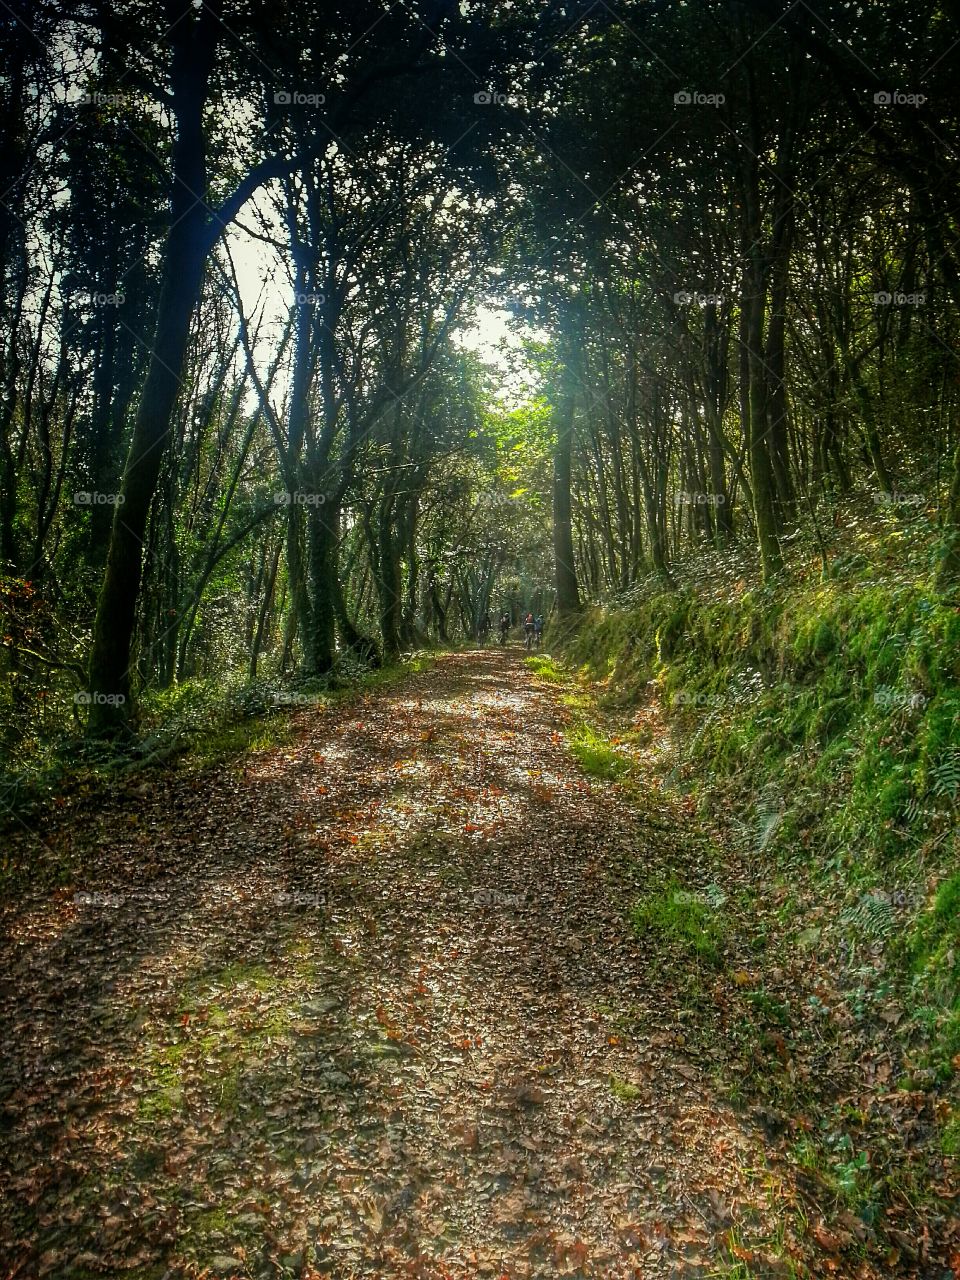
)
(243, 248)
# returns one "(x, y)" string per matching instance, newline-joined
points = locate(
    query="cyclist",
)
(484, 629)
(538, 629)
(504, 626)
(528, 630)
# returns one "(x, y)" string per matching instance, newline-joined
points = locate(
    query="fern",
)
(945, 777)
(769, 817)
(873, 915)
(713, 896)
(914, 809)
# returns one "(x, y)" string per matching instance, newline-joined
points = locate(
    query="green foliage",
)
(950, 1136)
(854, 679)
(682, 918)
(872, 916)
(596, 755)
(933, 947)
(624, 1090)
(827, 717)
(546, 668)
(768, 1009)
(213, 723)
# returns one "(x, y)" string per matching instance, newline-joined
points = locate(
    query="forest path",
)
(368, 1005)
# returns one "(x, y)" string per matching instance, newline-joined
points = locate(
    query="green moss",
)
(545, 668)
(840, 700)
(624, 1090)
(229, 1081)
(933, 948)
(198, 991)
(770, 1010)
(163, 1095)
(596, 755)
(950, 1136)
(937, 932)
(239, 739)
(682, 918)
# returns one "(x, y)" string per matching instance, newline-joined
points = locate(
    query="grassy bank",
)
(815, 729)
(193, 726)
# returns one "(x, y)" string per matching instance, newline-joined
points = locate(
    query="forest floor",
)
(370, 1004)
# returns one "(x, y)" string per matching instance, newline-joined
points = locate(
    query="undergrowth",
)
(193, 725)
(815, 724)
(683, 918)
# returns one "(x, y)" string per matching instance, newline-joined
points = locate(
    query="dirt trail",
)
(367, 1005)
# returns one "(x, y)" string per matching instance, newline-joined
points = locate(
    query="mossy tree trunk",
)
(568, 592)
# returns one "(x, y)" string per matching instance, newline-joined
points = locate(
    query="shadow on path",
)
(358, 1009)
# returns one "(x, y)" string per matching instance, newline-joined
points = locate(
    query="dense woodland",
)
(340, 935)
(242, 432)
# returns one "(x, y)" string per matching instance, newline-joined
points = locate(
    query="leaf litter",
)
(370, 1005)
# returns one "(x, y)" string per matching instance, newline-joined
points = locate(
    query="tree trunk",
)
(754, 415)
(568, 594)
(323, 537)
(186, 250)
(715, 361)
(264, 611)
(948, 573)
(778, 409)
(388, 585)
